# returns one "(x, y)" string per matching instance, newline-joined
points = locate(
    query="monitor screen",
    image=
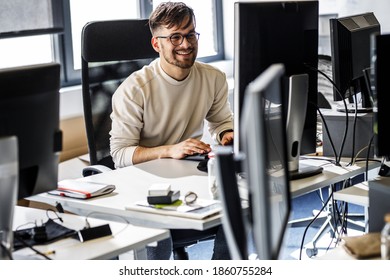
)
(263, 132)
(276, 32)
(29, 110)
(381, 91)
(350, 48)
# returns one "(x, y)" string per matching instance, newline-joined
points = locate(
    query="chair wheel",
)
(180, 254)
(311, 252)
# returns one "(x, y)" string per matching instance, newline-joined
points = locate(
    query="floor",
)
(294, 236)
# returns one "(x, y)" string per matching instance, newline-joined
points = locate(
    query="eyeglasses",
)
(177, 39)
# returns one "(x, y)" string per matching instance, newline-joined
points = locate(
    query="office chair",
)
(110, 52)
(117, 48)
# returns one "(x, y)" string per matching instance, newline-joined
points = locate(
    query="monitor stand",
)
(304, 171)
(297, 104)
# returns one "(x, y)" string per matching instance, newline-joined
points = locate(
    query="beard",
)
(173, 58)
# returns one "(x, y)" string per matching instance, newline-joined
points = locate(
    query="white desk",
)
(330, 175)
(133, 182)
(124, 238)
(132, 185)
(357, 194)
(72, 168)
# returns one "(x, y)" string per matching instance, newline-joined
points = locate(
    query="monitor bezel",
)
(255, 146)
(307, 13)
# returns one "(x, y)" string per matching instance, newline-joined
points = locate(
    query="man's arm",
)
(226, 137)
(220, 116)
(177, 151)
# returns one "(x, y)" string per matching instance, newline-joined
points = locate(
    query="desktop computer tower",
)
(336, 122)
(379, 202)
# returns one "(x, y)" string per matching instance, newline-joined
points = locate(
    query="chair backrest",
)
(110, 51)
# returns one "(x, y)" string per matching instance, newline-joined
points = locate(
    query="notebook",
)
(82, 189)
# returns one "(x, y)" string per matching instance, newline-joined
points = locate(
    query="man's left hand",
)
(227, 138)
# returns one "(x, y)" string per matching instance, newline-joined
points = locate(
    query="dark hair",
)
(170, 14)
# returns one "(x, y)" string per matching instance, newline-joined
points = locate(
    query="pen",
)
(49, 252)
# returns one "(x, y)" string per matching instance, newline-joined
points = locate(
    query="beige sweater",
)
(151, 109)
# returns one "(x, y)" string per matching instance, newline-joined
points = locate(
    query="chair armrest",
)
(95, 169)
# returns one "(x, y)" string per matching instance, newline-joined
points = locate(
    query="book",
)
(164, 199)
(159, 189)
(82, 189)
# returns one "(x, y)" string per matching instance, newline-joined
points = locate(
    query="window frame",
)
(63, 49)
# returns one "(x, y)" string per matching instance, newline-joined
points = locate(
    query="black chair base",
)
(182, 238)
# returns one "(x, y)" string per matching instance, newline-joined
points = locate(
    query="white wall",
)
(381, 9)
(71, 102)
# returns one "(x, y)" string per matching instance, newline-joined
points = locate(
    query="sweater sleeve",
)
(220, 116)
(126, 116)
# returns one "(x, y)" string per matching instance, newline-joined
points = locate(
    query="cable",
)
(333, 213)
(335, 219)
(345, 107)
(367, 156)
(57, 216)
(354, 131)
(308, 226)
(327, 132)
(358, 153)
(31, 247)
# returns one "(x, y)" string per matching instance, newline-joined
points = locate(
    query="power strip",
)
(94, 232)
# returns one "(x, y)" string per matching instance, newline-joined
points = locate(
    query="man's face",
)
(183, 55)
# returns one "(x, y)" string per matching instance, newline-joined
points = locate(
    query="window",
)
(206, 25)
(66, 47)
(25, 28)
(26, 50)
(78, 14)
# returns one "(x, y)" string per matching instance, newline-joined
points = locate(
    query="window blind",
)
(30, 17)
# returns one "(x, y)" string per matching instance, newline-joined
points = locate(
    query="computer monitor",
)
(263, 131)
(277, 32)
(29, 112)
(350, 51)
(234, 221)
(381, 93)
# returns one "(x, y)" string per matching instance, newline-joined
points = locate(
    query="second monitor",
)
(277, 32)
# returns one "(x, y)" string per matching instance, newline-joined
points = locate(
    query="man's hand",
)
(177, 151)
(188, 147)
(227, 138)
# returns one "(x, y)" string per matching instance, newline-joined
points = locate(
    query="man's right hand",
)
(188, 147)
(177, 151)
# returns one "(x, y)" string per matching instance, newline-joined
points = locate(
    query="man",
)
(159, 111)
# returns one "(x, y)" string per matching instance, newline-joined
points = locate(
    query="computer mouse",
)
(202, 165)
(95, 169)
(196, 157)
